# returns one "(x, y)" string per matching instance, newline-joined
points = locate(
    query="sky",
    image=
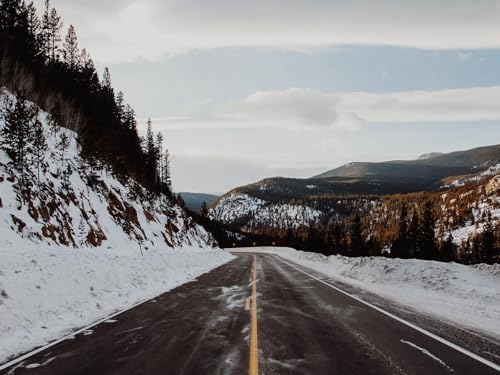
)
(244, 90)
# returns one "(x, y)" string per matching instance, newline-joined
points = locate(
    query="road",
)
(257, 314)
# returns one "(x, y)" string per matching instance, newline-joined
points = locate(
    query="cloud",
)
(460, 105)
(125, 30)
(290, 108)
(311, 109)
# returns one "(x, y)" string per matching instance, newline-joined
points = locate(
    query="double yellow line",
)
(254, 348)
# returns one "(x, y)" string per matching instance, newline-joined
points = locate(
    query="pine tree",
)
(71, 53)
(46, 29)
(120, 107)
(476, 250)
(35, 29)
(413, 236)
(356, 242)
(39, 146)
(106, 80)
(487, 246)
(151, 155)
(19, 118)
(467, 252)
(400, 247)
(159, 159)
(62, 147)
(448, 249)
(166, 173)
(53, 125)
(427, 241)
(55, 26)
(88, 72)
(130, 120)
(34, 24)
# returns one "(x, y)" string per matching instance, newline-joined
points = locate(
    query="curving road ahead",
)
(258, 314)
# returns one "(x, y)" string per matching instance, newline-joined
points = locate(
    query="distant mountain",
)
(315, 213)
(391, 177)
(279, 201)
(429, 169)
(194, 201)
(430, 155)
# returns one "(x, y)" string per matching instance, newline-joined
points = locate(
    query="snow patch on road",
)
(233, 296)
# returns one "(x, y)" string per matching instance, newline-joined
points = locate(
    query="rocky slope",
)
(78, 243)
(69, 202)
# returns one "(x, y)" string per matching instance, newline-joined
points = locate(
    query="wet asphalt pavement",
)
(304, 327)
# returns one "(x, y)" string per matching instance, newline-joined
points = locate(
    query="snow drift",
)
(46, 293)
(77, 243)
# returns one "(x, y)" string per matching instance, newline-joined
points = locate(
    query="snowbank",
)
(464, 295)
(71, 245)
(46, 293)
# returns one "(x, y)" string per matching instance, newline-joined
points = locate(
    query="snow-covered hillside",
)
(465, 295)
(486, 201)
(462, 211)
(493, 170)
(236, 206)
(72, 203)
(77, 243)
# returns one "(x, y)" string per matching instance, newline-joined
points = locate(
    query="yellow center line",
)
(254, 349)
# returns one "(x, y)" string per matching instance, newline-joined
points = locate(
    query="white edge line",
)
(411, 325)
(69, 336)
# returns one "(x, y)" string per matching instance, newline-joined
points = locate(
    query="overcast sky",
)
(244, 90)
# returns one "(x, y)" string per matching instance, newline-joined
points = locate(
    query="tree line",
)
(416, 225)
(41, 66)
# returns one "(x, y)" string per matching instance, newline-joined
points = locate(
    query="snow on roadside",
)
(47, 293)
(71, 253)
(464, 295)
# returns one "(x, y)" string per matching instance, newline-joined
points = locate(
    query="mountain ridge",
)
(445, 165)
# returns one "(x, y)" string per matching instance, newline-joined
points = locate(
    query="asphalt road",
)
(300, 325)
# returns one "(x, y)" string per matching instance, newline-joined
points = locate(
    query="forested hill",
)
(369, 178)
(40, 64)
(432, 167)
(360, 216)
(73, 169)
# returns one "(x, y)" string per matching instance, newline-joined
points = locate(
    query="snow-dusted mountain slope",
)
(461, 208)
(235, 207)
(71, 203)
(77, 243)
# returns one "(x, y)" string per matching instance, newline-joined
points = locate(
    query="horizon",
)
(216, 193)
(238, 103)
